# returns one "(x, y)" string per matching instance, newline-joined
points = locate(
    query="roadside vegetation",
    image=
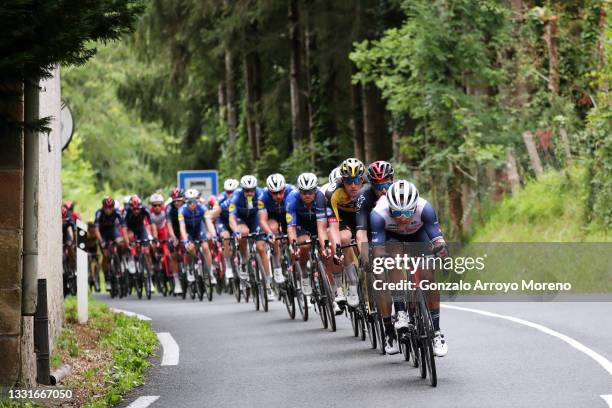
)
(109, 355)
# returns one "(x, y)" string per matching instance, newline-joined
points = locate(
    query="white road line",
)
(171, 349)
(128, 313)
(604, 362)
(608, 399)
(143, 402)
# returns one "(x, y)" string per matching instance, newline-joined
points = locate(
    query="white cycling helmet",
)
(402, 195)
(275, 182)
(192, 194)
(156, 198)
(117, 206)
(126, 200)
(248, 182)
(307, 181)
(230, 184)
(334, 175)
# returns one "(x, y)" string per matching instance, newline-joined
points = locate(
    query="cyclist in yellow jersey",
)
(341, 200)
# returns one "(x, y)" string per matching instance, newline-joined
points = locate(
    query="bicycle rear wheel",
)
(147, 279)
(199, 275)
(263, 287)
(208, 287)
(372, 332)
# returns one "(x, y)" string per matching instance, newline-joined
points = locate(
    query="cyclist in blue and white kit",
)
(307, 216)
(194, 223)
(272, 219)
(244, 219)
(220, 217)
(402, 216)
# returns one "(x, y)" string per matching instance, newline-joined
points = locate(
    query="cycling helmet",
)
(334, 175)
(307, 181)
(275, 182)
(177, 194)
(192, 194)
(379, 170)
(248, 182)
(69, 204)
(126, 200)
(135, 201)
(64, 212)
(230, 184)
(352, 168)
(108, 202)
(402, 195)
(156, 198)
(117, 206)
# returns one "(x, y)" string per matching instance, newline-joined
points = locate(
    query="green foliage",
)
(424, 69)
(121, 151)
(37, 35)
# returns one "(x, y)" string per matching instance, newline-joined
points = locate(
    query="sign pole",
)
(81, 272)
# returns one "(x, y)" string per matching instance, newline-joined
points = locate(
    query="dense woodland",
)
(471, 99)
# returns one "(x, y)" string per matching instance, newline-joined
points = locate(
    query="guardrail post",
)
(81, 272)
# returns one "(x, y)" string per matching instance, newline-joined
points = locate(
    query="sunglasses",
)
(250, 190)
(381, 186)
(191, 202)
(351, 180)
(402, 213)
(308, 192)
(157, 205)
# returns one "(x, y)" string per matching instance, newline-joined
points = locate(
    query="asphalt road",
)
(233, 356)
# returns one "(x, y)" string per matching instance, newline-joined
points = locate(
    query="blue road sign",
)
(205, 181)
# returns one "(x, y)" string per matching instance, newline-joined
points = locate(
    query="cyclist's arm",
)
(154, 232)
(183, 229)
(233, 212)
(215, 213)
(210, 226)
(433, 231)
(377, 226)
(263, 221)
(322, 217)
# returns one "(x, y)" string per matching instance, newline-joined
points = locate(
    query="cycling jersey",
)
(422, 227)
(194, 221)
(246, 210)
(68, 223)
(305, 217)
(159, 220)
(366, 200)
(275, 210)
(137, 222)
(172, 215)
(342, 206)
(109, 225)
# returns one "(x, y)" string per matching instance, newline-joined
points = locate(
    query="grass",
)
(551, 209)
(541, 233)
(109, 355)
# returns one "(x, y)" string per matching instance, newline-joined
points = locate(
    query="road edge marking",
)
(144, 401)
(601, 360)
(128, 313)
(170, 347)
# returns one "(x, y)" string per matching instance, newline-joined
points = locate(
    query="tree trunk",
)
(550, 30)
(512, 171)
(312, 79)
(357, 110)
(455, 205)
(375, 137)
(299, 116)
(536, 163)
(230, 92)
(222, 101)
(253, 93)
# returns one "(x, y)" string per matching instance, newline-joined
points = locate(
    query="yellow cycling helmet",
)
(352, 168)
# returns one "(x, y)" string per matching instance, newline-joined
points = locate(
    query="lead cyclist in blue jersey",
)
(402, 216)
(272, 219)
(194, 224)
(243, 219)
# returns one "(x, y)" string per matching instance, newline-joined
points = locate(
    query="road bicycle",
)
(216, 251)
(142, 280)
(239, 287)
(286, 291)
(322, 297)
(161, 277)
(93, 268)
(117, 273)
(69, 274)
(255, 270)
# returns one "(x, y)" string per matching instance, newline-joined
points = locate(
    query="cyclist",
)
(307, 216)
(68, 231)
(220, 216)
(75, 215)
(172, 224)
(193, 224)
(243, 219)
(332, 178)
(159, 229)
(342, 201)
(272, 219)
(138, 223)
(402, 216)
(109, 226)
(380, 175)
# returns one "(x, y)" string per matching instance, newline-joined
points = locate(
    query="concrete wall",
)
(17, 358)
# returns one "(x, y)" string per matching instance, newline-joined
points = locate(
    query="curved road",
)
(232, 356)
